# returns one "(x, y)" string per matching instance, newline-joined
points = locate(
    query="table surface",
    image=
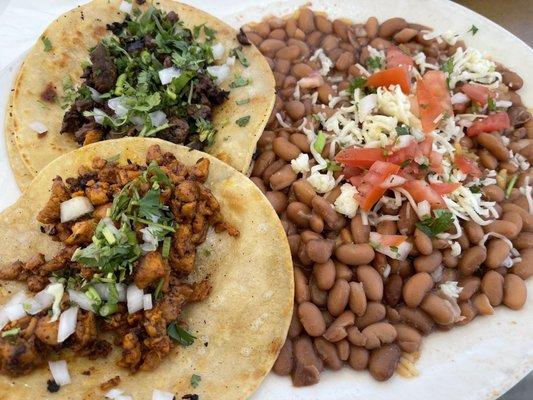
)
(516, 17)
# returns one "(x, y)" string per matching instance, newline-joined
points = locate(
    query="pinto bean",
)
(372, 282)
(503, 227)
(383, 362)
(378, 334)
(408, 219)
(487, 159)
(471, 259)
(285, 149)
(405, 35)
(278, 200)
(354, 254)
(263, 161)
(304, 353)
(319, 250)
(328, 353)
(468, 312)
(273, 168)
(527, 219)
(482, 304)
(415, 288)
(524, 268)
(380, 43)
(497, 252)
(428, 263)
(284, 363)
(324, 208)
(282, 178)
(439, 309)
(391, 26)
(342, 271)
(357, 299)
(470, 285)
(300, 140)
(311, 319)
(492, 286)
(337, 330)
(360, 232)
(512, 80)
(372, 27)
(409, 339)
(355, 336)
(324, 274)
(343, 349)
(393, 289)
(269, 47)
(318, 297)
(523, 241)
(301, 286)
(358, 359)
(514, 291)
(416, 318)
(448, 259)
(493, 144)
(299, 214)
(295, 328)
(344, 61)
(338, 297)
(304, 191)
(375, 312)
(423, 243)
(306, 20)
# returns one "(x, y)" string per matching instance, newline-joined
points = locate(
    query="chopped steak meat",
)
(104, 71)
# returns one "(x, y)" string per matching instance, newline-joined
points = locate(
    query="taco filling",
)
(150, 77)
(129, 235)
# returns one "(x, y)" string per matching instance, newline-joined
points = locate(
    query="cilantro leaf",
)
(332, 166)
(243, 121)
(402, 130)
(11, 332)
(357, 83)
(46, 43)
(206, 131)
(195, 380)
(374, 63)
(473, 30)
(442, 222)
(491, 104)
(237, 52)
(241, 102)
(320, 142)
(180, 335)
(239, 82)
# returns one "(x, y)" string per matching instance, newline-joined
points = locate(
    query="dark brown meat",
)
(206, 92)
(182, 265)
(174, 300)
(242, 38)
(50, 212)
(19, 356)
(197, 111)
(110, 383)
(49, 93)
(104, 71)
(59, 261)
(158, 348)
(150, 269)
(73, 118)
(177, 133)
(37, 283)
(88, 133)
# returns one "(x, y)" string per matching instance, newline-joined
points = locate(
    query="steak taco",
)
(111, 69)
(132, 268)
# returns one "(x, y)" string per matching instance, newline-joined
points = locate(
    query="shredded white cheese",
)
(346, 204)
(301, 163)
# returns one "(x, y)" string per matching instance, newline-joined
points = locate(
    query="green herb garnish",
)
(374, 63)
(195, 380)
(180, 335)
(239, 82)
(357, 83)
(206, 131)
(491, 104)
(320, 142)
(332, 166)
(473, 29)
(510, 186)
(241, 102)
(11, 332)
(243, 121)
(475, 189)
(442, 222)
(46, 43)
(402, 130)
(237, 52)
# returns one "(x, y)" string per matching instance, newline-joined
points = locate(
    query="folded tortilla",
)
(72, 35)
(240, 327)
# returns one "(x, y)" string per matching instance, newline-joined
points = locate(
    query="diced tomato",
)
(420, 190)
(467, 165)
(444, 188)
(477, 93)
(494, 122)
(426, 146)
(369, 190)
(356, 180)
(433, 99)
(435, 162)
(349, 172)
(403, 154)
(391, 76)
(396, 58)
(392, 240)
(360, 157)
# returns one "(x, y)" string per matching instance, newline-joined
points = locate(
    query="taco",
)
(133, 265)
(112, 69)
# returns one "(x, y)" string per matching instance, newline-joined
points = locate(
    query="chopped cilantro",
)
(447, 66)
(473, 30)
(402, 130)
(165, 250)
(237, 52)
(180, 335)
(332, 166)
(243, 121)
(374, 63)
(239, 82)
(405, 163)
(394, 249)
(195, 380)
(510, 186)
(442, 222)
(206, 131)
(241, 102)
(11, 332)
(320, 142)
(46, 43)
(491, 104)
(357, 83)
(475, 189)
(69, 93)
(158, 290)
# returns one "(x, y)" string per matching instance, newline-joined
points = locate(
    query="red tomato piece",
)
(420, 190)
(360, 157)
(391, 76)
(435, 162)
(494, 122)
(397, 58)
(392, 240)
(477, 93)
(369, 190)
(433, 99)
(426, 146)
(444, 188)
(467, 165)
(403, 154)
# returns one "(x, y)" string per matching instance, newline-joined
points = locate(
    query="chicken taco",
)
(131, 268)
(111, 69)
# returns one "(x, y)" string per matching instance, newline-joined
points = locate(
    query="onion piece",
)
(147, 301)
(95, 94)
(424, 208)
(400, 252)
(166, 75)
(38, 127)
(118, 105)
(81, 300)
(41, 301)
(160, 395)
(74, 208)
(67, 324)
(103, 290)
(59, 370)
(218, 51)
(15, 311)
(459, 98)
(113, 393)
(134, 297)
(220, 72)
(158, 118)
(125, 6)
(392, 181)
(99, 116)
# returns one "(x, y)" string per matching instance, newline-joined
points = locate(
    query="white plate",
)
(476, 362)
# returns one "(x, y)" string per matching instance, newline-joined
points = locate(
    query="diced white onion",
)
(158, 118)
(150, 242)
(220, 72)
(67, 324)
(503, 104)
(81, 299)
(41, 301)
(103, 291)
(113, 393)
(134, 297)
(17, 299)
(459, 98)
(230, 60)
(424, 208)
(74, 208)
(392, 181)
(166, 75)
(147, 301)
(38, 127)
(160, 395)
(118, 105)
(95, 94)
(15, 311)
(99, 116)
(218, 51)
(59, 370)
(125, 6)
(400, 253)
(56, 290)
